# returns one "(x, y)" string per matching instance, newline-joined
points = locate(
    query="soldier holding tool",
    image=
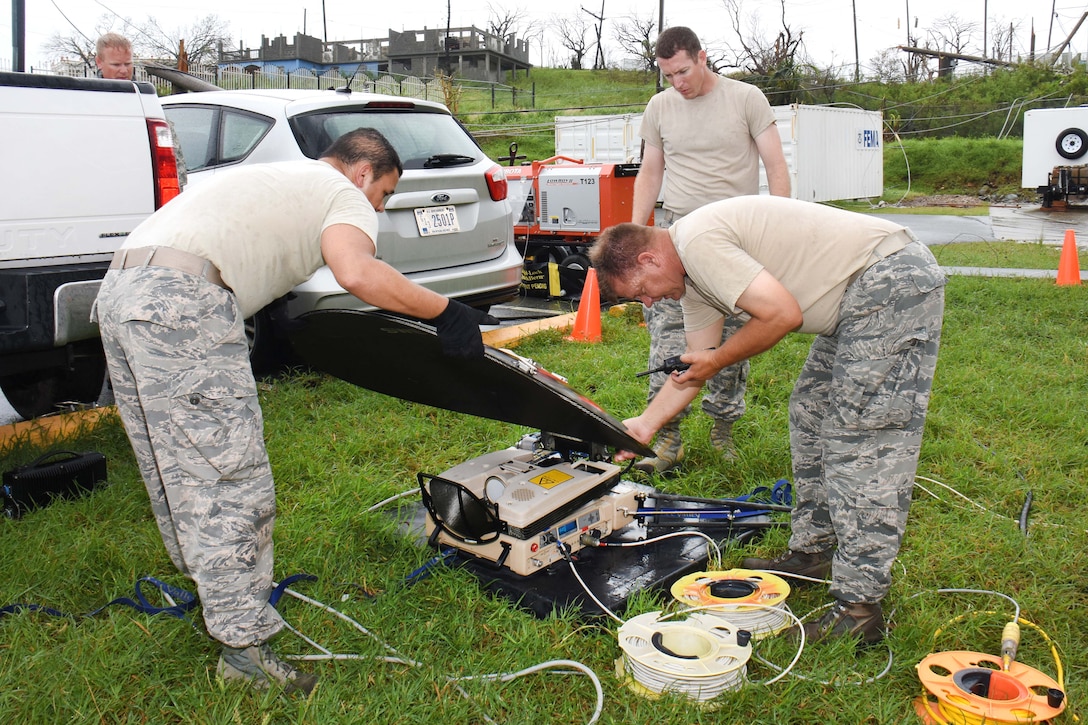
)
(710, 132)
(873, 296)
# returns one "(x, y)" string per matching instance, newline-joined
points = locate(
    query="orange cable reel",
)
(753, 600)
(965, 688)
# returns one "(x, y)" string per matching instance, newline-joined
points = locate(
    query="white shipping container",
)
(599, 139)
(832, 153)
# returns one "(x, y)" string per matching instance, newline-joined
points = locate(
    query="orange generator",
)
(567, 204)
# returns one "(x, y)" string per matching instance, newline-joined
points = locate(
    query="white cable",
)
(397, 658)
(714, 661)
(800, 644)
(767, 620)
(710, 543)
(975, 503)
(507, 677)
(391, 499)
(792, 575)
(592, 596)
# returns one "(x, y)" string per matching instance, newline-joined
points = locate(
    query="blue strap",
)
(274, 597)
(184, 602)
(426, 569)
(781, 493)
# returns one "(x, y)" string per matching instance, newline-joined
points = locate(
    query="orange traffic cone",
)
(1068, 266)
(587, 323)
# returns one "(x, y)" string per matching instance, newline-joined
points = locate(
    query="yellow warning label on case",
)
(551, 479)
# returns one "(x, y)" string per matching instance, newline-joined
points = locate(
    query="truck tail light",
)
(496, 183)
(163, 163)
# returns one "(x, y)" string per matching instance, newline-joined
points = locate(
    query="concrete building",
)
(467, 53)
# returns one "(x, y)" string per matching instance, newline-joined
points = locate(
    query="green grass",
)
(1008, 255)
(1006, 419)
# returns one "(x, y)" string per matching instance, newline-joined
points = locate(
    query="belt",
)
(888, 246)
(171, 259)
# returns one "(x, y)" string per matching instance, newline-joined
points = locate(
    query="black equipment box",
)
(57, 474)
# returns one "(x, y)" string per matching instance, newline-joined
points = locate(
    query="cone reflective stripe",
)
(587, 323)
(1068, 265)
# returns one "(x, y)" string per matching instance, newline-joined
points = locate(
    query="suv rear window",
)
(211, 136)
(418, 136)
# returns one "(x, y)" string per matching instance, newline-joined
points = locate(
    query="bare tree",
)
(887, 67)
(636, 37)
(504, 21)
(598, 61)
(1003, 34)
(572, 36)
(77, 45)
(149, 40)
(951, 33)
(202, 40)
(759, 55)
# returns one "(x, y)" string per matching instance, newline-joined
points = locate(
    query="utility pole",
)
(857, 59)
(660, 27)
(598, 64)
(1053, 3)
(909, 23)
(985, 27)
(18, 35)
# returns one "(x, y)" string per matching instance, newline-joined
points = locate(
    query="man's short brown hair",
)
(675, 39)
(615, 253)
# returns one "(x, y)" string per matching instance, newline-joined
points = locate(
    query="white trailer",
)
(832, 153)
(1055, 159)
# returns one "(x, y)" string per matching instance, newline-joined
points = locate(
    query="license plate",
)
(432, 220)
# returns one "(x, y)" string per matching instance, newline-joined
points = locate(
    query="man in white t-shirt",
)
(171, 311)
(710, 133)
(873, 296)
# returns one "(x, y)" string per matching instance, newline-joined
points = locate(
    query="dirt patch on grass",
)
(962, 201)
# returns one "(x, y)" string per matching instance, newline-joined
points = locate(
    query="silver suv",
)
(447, 227)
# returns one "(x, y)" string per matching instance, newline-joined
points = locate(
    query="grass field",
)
(1006, 421)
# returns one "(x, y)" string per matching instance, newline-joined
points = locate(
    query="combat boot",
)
(260, 667)
(721, 437)
(800, 563)
(860, 620)
(668, 452)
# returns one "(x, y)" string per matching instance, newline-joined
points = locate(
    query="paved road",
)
(1028, 223)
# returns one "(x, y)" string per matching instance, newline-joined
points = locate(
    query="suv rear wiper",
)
(441, 160)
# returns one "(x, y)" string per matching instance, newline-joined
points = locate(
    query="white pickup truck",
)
(84, 161)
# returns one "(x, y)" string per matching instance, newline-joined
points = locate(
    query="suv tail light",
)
(164, 165)
(496, 183)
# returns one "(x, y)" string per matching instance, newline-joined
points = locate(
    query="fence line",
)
(274, 77)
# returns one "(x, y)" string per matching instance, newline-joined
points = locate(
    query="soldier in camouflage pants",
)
(873, 296)
(171, 310)
(856, 415)
(178, 361)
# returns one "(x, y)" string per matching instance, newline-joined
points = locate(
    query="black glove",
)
(458, 329)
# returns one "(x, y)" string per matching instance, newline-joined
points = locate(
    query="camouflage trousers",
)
(177, 354)
(723, 394)
(856, 417)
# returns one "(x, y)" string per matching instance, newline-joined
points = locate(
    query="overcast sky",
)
(828, 25)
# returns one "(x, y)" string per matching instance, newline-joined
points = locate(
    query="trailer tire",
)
(576, 261)
(1072, 143)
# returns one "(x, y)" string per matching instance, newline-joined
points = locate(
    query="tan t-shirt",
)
(811, 249)
(260, 225)
(708, 142)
